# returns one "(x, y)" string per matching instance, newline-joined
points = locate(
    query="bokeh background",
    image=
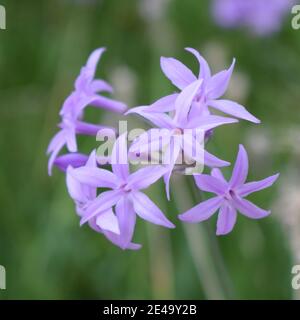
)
(45, 252)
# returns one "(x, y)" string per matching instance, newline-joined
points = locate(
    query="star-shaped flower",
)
(83, 195)
(125, 192)
(209, 93)
(180, 134)
(230, 196)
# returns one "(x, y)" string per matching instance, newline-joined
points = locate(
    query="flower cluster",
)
(109, 197)
(261, 17)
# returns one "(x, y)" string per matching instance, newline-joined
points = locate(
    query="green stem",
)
(200, 244)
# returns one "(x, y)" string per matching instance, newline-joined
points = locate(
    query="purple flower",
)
(85, 94)
(201, 98)
(83, 195)
(230, 196)
(124, 196)
(173, 139)
(262, 17)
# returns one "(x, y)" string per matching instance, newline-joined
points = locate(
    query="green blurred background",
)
(45, 252)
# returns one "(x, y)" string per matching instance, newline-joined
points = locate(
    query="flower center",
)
(124, 187)
(229, 195)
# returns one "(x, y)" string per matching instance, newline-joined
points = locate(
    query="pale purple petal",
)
(101, 86)
(209, 122)
(127, 219)
(71, 141)
(250, 187)
(169, 158)
(108, 221)
(249, 209)
(184, 101)
(103, 202)
(212, 161)
(145, 177)
(90, 129)
(119, 158)
(240, 171)
(109, 104)
(165, 104)
(74, 187)
(202, 211)
(204, 72)
(218, 84)
(118, 241)
(96, 177)
(93, 60)
(147, 210)
(210, 184)
(177, 72)
(216, 172)
(160, 120)
(56, 144)
(234, 109)
(226, 219)
(74, 160)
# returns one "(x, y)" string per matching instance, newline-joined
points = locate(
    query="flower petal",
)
(240, 171)
(209, 122)
(170, 157)
(204, 72)
(93, 60)
(147, 210)
(251, 187)
(108, 221)
(100, 86)
(217, 173)
(127, 219)
(90, 129)
(119, 158)
(74, 187)
(160, 120)
(165, 104)
(108, 104)
(210, 184)
(145, 177)
(95, 177)
(56, 144)
(184, 101)
(212, 161)
(218, 84)
(202, 211)
(226, 219)
(234, 109)
(71, 159)
(103, 202)
(249, 209)
(177, 72)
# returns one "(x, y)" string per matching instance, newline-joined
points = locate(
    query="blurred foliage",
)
(46, 254)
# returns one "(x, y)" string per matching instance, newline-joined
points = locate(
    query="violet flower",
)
(230, 196)
(83, 195)
(86, 88)
(173, 138)
(261, 17)
(125, 194)
(209, 93)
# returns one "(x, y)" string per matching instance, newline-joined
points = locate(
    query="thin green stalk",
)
(215, 248)
(199, 245)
